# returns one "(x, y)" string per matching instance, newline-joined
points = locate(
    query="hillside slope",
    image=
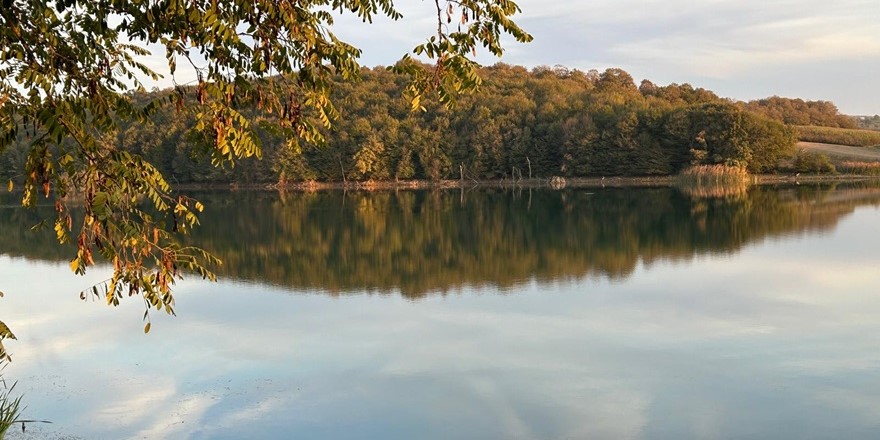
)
(841, 152)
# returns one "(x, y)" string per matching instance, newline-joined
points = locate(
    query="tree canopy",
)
(68, 69)
(534, 123)
(799, 112)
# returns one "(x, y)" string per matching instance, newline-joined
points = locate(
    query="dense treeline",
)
(868, 122)
(539, 123)
(420, 242)
(799, 112)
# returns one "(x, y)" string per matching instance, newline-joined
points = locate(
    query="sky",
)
(742, 49)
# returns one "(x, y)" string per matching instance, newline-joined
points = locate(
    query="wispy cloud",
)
(744, 48)
(748, 47)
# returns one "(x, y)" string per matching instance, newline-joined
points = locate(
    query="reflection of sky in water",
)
(777, 341)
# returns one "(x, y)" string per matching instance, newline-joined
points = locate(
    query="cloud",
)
(746, 48)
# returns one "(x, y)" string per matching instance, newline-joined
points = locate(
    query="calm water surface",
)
(484, 314)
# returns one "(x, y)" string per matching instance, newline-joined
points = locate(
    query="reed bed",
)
(714, 175)
(862, 168)
(714, 181)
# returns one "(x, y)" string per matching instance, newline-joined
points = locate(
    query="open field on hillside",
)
(839, 136)
(841, 152)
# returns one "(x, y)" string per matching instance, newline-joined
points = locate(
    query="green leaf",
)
(99, 206)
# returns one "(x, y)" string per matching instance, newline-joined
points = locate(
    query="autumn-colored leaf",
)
(5, 333)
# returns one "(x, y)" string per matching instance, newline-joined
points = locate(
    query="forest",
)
(521, 123)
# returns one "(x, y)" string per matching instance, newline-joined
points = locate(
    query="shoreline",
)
(583, 182)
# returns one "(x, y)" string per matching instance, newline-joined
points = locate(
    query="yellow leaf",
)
(147, 328)
(74, 264)
(10, 186)
(5, 332)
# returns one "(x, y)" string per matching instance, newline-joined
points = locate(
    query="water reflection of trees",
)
(423, 242)
(419, 242)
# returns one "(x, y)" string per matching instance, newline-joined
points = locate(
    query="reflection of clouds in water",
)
(238, 416)
(862, 404)
(136, 399)
(173, 418)
(719, 346)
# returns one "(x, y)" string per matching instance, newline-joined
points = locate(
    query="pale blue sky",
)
(742, 49)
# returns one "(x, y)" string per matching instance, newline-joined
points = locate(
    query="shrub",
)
(806, 162)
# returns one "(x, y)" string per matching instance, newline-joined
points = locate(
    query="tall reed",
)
(10, 407)
(714, 175)
(863, 168)
(714, 181)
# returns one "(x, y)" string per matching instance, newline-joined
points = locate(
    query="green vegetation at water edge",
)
(815, 163)
(10, 404)
(716, 175)
(860, 167)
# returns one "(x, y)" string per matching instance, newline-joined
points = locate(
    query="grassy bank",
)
(839, 136)
(862, 168)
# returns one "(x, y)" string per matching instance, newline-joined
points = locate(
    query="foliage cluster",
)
(868, 122)
(66, 68)
(839, 136)
(539, 123)
(799, 112)
(818, 163)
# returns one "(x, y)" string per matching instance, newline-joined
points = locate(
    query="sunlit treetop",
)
(68, 69)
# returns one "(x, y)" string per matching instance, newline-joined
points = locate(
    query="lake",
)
(601, 313)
